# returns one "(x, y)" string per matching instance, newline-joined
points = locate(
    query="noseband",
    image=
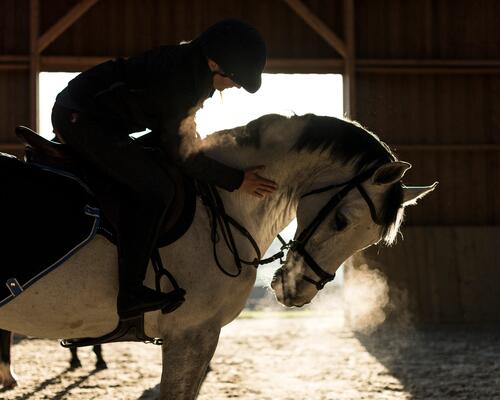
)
(299, 244)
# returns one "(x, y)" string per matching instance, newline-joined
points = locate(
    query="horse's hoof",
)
(100, 365)
(74, 364)
(7, 376)
(9, 384)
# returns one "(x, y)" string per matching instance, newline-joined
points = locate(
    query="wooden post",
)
(350, 61)
(34, 63)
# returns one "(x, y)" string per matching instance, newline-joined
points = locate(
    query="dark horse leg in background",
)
(7, 379)
(99, 364)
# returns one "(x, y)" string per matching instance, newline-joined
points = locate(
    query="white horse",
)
(345, 167)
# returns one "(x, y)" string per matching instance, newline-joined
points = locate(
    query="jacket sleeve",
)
(206, 169)
(198, 165)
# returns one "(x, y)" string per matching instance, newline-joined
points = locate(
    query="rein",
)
(217, 214)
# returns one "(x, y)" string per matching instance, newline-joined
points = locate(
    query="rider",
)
(98, 110)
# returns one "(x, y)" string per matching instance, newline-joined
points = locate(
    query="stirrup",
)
(128, 330)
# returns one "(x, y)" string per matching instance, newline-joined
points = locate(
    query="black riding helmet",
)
(238, 49)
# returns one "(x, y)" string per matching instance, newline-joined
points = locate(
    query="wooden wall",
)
(444, 274)
(126, 27)
(423, 74)
(430, 82)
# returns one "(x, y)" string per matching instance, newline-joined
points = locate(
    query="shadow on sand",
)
(441, 362)
(56, 380)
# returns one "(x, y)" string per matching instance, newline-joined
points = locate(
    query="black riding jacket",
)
(154, 90)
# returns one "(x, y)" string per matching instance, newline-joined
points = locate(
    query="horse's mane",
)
(347, 142)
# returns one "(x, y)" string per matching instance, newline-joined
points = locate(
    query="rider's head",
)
(236, 54)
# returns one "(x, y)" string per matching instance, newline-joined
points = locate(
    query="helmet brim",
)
(251, 83)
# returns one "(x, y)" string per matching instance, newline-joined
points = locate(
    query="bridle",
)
(218, 216)
(299, 244)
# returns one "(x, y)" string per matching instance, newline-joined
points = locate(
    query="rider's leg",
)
(139, 223)
(146, 194)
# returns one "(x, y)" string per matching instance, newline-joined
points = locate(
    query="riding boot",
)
(138, 230)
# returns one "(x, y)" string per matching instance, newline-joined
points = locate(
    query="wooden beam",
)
(444, 147)
(11, 147)
(350, 61)
(14, 59)
(318, 26)
(34, 63)
(14, 62)
(305, 65)
(428, 66)
(14, 67)
(428, 63)
(64, 23)
(428, 70)
(73, 64)
(317, 65)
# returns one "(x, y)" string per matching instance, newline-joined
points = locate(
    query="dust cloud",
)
(365, 298)
(364, 301)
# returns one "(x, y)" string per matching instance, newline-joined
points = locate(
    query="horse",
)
(340, 181)
(8, 377)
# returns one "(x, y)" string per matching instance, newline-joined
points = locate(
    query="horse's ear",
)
(390, 173)
(413, 193)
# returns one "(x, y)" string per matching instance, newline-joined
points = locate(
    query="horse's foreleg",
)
(185, 362)
(7, 376)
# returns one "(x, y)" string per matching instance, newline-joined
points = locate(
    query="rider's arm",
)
(196, 164)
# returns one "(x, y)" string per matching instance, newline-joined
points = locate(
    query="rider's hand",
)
(256, 185)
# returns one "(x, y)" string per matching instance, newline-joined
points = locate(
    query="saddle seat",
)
(38, 145)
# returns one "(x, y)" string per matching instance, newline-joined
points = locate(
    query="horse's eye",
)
(340, 222)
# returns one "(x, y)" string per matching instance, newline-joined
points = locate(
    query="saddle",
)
(58, 158)
(180, 214)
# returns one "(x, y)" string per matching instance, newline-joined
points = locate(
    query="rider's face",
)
(220, 80)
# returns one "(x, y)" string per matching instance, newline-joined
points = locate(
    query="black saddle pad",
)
(47, 214)
(45, 218)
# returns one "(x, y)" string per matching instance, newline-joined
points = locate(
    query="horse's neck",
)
(292, 171)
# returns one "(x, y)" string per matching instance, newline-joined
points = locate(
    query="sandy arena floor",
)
(294, 358)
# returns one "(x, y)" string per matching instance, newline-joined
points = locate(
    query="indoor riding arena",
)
(416, 320)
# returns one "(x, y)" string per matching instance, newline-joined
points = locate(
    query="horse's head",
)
(337, 220)
(340, 180)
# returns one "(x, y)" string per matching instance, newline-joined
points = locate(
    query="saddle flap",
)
(41, 146)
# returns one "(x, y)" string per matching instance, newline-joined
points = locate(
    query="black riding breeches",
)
(142, 190)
